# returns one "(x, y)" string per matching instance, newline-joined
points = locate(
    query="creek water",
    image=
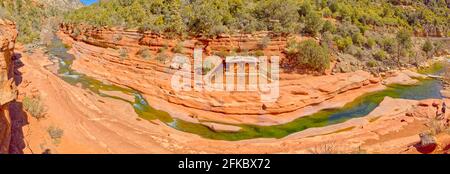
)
(361, 106)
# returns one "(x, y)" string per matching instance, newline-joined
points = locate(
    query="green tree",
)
(343, 42)
(358, 39)
(380, 55)
(313, 23)
(326, 12)
(310, 54)
(427, 47)
(388, 44)
(404, 42)
(328, 26)
(370, 42)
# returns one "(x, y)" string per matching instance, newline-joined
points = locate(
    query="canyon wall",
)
(8, 35)
(115, 55)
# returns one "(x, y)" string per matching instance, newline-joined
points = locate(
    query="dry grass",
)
(123, 53)
(435, 126)
(55, 133)
(34, 106)
(145, 53)
(326, 148)
(332, 147)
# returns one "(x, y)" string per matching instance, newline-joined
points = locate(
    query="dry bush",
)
(325, 148)
(55, 133)
(332, 147)
(145, 53)
(435, 126)
(34, 106)
(123, 53)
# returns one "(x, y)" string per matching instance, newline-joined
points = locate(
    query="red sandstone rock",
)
(401, 78)
(424, 103)
(435, 104)
(8, 34)
(222, 128)
(374, 80)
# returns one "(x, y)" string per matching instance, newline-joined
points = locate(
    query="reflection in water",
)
(360, 107)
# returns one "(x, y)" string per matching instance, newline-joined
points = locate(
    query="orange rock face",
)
(98, 53)
(8, 35)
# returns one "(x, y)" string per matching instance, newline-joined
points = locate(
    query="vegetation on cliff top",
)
(283, 16)
(363, 29)
(30, 15)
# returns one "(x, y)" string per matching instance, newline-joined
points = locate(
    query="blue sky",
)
(88, 2)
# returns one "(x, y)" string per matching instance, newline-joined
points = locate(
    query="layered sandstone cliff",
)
(99, 53)
(8, 35)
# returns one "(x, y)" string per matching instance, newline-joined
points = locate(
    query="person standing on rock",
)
(446, 120)
(437, 111)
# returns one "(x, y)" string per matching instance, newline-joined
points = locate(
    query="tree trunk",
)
(398, 55)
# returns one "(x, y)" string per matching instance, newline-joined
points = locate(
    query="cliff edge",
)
(8, 34)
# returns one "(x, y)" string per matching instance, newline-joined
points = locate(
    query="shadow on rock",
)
(18, 121)
(17, 65)
(425, 149)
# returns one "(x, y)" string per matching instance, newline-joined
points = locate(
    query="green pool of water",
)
(361, 106)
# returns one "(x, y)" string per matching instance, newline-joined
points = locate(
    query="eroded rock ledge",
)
(8, 36)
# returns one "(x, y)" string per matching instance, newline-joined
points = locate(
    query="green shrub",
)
(313, 23)
(222, 53)
(326, 12)
(310, 54)
(162, 57)
(358, 52)
(144, 53)
(358, 39)
(305, 8)
(263, 43)
(206, 70)
(343, 43)
(328, 27)
(427, 47)
(117, 37)
(292, 47)
(334, 6)
(388, 44)
(404, 43)
(372, 63)
(259, 53)
(370, 43)
(55, 133)
(4, 14)
(34, 106)
(327, 39)
(178, 47)
(123, 53)
(404, 38)
(380, 55)
(165, 46)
